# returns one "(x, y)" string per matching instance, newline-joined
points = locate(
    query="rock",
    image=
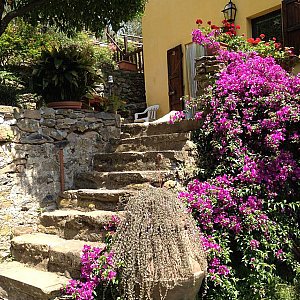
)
(81, 127)
(32, 114)
(28, 125)
(55, 134)
(36, 138)
(47, 112)
(6, 133)
(7, 109)
(48, 122)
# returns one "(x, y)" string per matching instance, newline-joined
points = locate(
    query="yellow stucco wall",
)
(168, 23)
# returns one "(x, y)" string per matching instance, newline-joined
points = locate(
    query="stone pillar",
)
(207, 69)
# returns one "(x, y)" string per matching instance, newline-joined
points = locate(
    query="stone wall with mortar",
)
(129, 86)
(29, 160)
(207, 67)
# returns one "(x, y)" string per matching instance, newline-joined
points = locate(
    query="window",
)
(269, 24)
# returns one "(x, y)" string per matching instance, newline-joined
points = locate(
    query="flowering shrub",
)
(206, 35)
(99, 277)
(246, 200)
(177, 116)
(211, 36)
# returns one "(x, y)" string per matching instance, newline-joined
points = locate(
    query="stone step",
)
(162, 142)
(136, 129)
(48, 252)
(94, 199)
(139, 161)
(126, 179)
(19, 282)
(77, 225)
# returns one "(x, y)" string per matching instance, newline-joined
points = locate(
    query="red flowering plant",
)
(284, 56)
(216, 38)
(207, 35)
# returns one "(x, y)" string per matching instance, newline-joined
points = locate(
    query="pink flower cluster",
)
(97, 267)
(176, 117)
(252, 127)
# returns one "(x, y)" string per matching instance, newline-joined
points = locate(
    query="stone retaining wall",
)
(29, 159)
(130, 86)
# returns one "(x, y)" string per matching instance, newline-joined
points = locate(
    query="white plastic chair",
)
(151, 114)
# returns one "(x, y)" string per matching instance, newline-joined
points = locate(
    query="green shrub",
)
(10, 87)
(65, 73)
(104, 58)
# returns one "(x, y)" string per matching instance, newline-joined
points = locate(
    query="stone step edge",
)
(17, 279)
(91, 193)
(181, 135)
(50, 252)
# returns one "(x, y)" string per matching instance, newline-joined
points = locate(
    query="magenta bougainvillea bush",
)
(99, 272)
(246, 200)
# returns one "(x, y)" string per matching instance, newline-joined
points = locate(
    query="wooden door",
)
(175, 78)
(291, 24)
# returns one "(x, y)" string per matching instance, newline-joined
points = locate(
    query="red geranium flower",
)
(257, 40)
(250, 40)
(238, 27)
(209, 22)
(262, 36)
(199, 22)
(214, 27)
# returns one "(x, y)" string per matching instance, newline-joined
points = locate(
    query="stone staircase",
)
(46, 260)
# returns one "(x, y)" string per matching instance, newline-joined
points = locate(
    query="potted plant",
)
(64, 75)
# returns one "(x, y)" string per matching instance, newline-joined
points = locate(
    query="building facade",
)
(168, 51)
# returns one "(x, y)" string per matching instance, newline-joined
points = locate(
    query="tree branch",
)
(2, 8)
(19, 12)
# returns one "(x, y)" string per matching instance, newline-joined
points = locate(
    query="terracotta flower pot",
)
(127, 66)
(65, 105)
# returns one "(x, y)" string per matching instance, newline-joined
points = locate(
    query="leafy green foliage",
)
(22, 43)
(65, 73)
(70, 16)
(10, 87)
(104, 58)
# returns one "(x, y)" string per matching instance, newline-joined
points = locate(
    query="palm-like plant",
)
(65, 73)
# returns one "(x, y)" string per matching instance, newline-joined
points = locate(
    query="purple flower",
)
(254, 244)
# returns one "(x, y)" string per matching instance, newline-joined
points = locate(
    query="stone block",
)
(28, 125)
(48, 122)
(58, 135)
(7, 109)
(36, 138)
(32, 114)
(6, 133)
(47, 112)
